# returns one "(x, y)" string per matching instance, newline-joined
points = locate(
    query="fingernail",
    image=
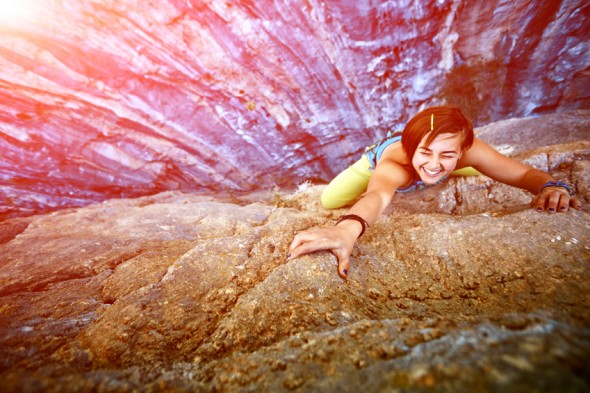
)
(539, 209)
(288, 255)
(562, 208)
(551, 209)
(345, 272)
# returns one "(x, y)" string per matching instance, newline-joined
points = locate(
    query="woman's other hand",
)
(555, 199)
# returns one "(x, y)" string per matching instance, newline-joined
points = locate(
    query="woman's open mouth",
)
(432, 173)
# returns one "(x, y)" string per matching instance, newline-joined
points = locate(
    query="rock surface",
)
(129, 98)
(457, 288)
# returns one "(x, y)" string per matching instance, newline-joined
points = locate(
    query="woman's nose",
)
(435, 162)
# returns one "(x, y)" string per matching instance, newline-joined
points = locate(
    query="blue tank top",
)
(375, 151)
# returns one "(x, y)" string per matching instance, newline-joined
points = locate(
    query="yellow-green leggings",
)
(353, 181)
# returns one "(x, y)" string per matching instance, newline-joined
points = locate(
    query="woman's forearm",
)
(370, 206)
(533, 180)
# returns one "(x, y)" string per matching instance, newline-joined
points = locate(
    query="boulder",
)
(128, 98)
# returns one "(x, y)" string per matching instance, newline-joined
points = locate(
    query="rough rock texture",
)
(457, 288)
(102, 99)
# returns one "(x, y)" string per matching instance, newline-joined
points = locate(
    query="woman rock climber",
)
(435, 143)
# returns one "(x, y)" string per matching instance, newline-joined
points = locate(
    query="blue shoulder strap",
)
(375, 151)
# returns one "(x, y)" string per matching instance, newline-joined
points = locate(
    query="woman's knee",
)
(346, 187)
(329, 202)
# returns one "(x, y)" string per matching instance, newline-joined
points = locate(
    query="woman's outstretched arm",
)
(549, 195)
(340, 239)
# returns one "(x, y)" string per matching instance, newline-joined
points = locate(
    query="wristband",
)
(558, 184)
(354, 217)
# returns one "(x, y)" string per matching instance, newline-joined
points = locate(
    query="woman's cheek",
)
(450, 165)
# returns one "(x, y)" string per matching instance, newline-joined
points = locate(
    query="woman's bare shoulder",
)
(391, 174)
(396, 154)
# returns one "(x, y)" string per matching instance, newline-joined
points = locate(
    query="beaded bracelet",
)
(558, 184)
(354, 217)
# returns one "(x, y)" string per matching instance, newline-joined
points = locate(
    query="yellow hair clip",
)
(432, 122)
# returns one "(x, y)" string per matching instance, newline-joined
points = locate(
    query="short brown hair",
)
(447, 119)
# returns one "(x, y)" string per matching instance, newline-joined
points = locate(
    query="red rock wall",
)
(127, 98)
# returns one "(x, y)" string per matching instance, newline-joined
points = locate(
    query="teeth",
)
(432, 173)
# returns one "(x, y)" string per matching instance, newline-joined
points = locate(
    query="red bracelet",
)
(354, 217)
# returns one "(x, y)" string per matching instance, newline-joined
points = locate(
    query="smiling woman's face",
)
(439, 159)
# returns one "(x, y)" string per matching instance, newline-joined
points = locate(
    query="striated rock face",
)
(461, 287)
(128, 98)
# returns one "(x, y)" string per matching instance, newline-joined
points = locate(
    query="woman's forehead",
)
(447, 139)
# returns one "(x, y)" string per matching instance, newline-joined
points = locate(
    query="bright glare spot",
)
(14, 11)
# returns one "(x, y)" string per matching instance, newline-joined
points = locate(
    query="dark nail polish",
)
(539, 209)
(345, 272)
(562, 208)
(288, 256)
(551, 209)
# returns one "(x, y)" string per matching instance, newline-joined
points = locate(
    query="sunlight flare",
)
(15, 11)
